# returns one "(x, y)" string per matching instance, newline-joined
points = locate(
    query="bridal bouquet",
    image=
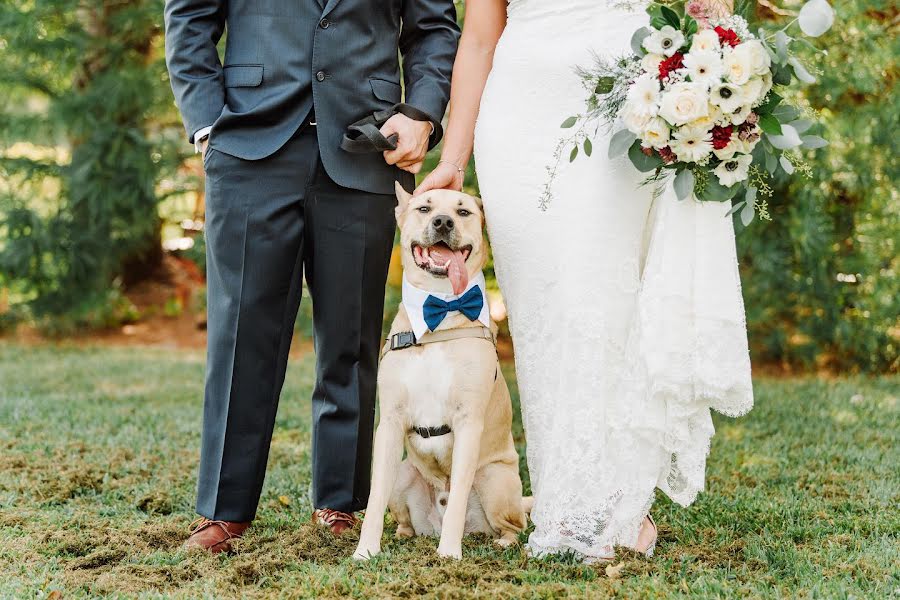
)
(699, 101)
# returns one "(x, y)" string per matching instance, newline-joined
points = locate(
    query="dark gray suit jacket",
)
(286, 58)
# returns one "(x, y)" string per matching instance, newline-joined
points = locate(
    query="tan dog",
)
(465, 480)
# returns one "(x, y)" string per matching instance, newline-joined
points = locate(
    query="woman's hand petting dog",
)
(412, 142)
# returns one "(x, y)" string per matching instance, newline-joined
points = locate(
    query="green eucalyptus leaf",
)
(771, 162)
(748, 212)
(816, 17)
(788, 140)
(770, 125)
(588, 146)
(813, 142)
(620, 143)
(684, 184)
(801, 125)
(800, 71)
(737, 206)
(641, 161)
(574, 154)
(637, 40)
(569, 123)
(782, 75)
(786, 165)
(785, 113)
(781, 46)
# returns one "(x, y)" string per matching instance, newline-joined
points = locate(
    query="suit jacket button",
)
(324, 23)
(320, 76)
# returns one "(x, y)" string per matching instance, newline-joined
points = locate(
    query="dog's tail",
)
(527, 504)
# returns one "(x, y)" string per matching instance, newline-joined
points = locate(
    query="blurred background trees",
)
(95, 172)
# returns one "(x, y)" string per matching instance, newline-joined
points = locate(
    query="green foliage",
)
(86, 120)
(820, 280)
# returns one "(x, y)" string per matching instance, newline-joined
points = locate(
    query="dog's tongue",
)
(459, 276)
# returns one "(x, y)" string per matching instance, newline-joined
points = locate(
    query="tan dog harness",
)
(407, 339)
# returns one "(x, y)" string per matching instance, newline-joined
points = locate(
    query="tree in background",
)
(821, 281)
(86, 127)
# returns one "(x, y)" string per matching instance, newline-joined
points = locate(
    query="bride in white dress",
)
(626, 313)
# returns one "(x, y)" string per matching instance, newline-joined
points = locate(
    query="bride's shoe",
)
(646, 543)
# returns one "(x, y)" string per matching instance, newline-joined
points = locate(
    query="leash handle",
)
(365, 137)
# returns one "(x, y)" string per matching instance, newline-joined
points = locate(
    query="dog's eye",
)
(463, 212)
(424, 209)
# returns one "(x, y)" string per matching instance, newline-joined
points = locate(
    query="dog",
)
(447, 400)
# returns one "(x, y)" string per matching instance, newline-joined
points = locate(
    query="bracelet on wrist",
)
(454, 165)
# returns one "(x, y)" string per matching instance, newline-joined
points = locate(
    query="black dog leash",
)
(365, 137)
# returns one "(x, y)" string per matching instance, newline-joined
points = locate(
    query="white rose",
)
(710, 120)
(760, 61)
(706, 40)
(691, 144)
(684, 102)
(737, 66)
(704, 66)
(634, 119)
(664, 41)
(644, 96)
(767, 85)
(650, 63)
(752, 91)
(734, 170)
(656, 134)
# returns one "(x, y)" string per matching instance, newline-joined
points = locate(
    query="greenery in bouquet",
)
(699, 98)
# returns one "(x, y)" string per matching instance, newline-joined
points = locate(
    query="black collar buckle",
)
(403, 340)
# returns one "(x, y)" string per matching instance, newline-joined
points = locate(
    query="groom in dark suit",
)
(283, 200)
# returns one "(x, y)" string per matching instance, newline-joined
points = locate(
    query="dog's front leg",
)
(388, 453)
(466, 448)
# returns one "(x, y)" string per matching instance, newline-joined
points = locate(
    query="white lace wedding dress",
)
(626, 313)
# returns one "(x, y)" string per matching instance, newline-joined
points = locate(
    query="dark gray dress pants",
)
(269, 222)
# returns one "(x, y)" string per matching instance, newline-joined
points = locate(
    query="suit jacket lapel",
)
(329, 6)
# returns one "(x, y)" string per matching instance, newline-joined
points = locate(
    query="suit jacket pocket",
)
(243, 75)
(386, 90)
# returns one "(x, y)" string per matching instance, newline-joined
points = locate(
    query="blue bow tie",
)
(470, 304)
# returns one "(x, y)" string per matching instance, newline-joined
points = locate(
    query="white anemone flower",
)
(727, 96)
(735, 170)
(664, 41)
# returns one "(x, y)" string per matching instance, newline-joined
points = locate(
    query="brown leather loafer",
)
(338, 522)
(215, 536)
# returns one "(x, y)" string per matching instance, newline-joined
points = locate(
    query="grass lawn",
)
(98, 451)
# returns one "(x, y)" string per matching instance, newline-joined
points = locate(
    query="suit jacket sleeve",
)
(193, 29)
(428, 42)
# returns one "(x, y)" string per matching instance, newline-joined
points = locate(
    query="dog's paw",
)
(405, 531)
(505, 542)
(448, 552)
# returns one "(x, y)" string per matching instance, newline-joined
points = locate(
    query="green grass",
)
(98, 451)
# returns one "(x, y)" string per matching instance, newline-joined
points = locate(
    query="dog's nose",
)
(442, 224)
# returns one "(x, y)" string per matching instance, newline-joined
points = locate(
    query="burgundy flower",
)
(647, 151)
(667, 155)
(673, 63)
(728, 36)
(722, 136)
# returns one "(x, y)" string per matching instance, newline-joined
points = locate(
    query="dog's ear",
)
(403, 198)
